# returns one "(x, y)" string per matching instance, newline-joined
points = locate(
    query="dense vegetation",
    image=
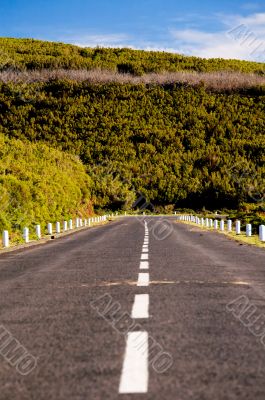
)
(31, 54)
(39, 184)
(176, 145)
(182, 144)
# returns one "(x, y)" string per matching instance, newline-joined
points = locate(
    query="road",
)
(79, 304)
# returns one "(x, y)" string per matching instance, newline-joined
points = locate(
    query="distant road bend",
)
(115, 312)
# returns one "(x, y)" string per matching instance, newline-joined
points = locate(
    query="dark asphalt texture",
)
(46, 295)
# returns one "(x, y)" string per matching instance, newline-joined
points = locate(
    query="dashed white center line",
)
(134, 377)
(144, 256)
(140, 306)
(144, 265)
(143, 279)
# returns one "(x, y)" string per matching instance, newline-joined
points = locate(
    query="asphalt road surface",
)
(134, 310)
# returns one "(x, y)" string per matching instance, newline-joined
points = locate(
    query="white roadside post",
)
(65, 226)
(222, 225)
(77, 222)
(49, 228)
(5, 239)
(211, 223)
(89, 222)
(249, 230)
(215, 224)
(229, 225)
(38, 232)
(207, 222)
(26, 235)
(262, 233)
(238, 227)
(58, 227)
(70, 224)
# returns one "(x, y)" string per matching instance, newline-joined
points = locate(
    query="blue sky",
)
(229, 29)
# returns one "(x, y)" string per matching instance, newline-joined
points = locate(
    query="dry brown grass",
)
(217, 81)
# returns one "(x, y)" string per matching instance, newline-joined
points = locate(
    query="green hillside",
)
(31, 54)
(178, 144)
(174, 144)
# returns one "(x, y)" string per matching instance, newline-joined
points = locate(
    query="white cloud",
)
(241, 38)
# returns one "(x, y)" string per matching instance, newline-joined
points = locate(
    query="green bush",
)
(39, 184)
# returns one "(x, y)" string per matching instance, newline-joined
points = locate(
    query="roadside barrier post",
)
(49, 228)
(229, 225)
(5, 239)
(262, 233)
(26, 235)
(249, 230)
(238, 227)
(38, 231)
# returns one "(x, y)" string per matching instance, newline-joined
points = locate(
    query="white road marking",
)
(143, 279)
(144, 265)
(134, 377)
(144, 256)
(145, 250)
(140, 306)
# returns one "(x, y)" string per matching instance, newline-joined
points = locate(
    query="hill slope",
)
(31, 54)
(176, 143)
